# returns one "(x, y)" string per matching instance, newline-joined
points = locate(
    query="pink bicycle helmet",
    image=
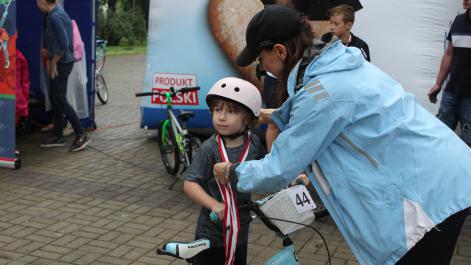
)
(237, 90)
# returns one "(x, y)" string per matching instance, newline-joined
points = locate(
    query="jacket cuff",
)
(233, 174)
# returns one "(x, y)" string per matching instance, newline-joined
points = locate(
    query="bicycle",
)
(283, 223)
(100, 59)
(176, 145)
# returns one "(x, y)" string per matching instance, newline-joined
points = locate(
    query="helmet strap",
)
(237, 134)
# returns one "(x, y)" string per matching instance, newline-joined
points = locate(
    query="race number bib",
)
(301, 199)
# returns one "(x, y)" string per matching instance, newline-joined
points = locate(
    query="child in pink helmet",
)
(235, 106)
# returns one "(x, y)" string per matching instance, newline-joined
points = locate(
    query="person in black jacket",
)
(342, 18)
(455, 105)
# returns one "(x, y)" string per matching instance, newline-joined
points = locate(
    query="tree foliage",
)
(124, 21)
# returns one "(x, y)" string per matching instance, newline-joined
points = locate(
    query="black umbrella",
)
(317, 9)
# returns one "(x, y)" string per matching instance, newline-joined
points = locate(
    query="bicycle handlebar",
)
(173, 91)
(254, 207)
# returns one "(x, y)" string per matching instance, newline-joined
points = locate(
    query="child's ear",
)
(349, 25)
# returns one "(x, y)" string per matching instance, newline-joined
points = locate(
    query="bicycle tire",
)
(168, 149)
(195, 144)
(101, 88)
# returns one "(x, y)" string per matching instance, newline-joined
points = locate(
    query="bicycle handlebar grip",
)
(213, 217)
(187, 89)
(143, 94)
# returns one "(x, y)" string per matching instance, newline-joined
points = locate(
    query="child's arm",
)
(197, 194)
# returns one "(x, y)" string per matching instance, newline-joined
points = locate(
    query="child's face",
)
(226, 121)
(338, 27)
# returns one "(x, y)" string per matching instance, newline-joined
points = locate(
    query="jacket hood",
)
(334, 57)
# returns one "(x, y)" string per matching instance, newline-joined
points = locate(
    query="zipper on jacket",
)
(359, 150)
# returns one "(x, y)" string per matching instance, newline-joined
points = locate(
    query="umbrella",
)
(317, 9)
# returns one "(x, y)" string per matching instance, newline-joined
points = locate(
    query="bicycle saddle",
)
(185, 115)
(184, 250)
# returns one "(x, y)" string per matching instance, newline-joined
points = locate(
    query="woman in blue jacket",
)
(396, 180)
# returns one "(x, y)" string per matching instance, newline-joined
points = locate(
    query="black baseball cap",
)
(274, 24)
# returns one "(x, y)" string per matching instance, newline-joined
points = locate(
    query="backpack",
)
(77, 43)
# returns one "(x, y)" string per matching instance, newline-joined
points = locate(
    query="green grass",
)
(140, 48)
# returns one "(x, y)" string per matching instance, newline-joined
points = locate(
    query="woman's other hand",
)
(301, 179)
(265, 116)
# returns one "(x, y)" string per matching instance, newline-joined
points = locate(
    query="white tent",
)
(407, 39)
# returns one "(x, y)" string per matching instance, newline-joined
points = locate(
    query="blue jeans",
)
(454, 109)
(60, 106)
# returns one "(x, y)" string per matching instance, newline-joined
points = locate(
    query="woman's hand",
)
(301, 179)
(52, 70)
(218, 208)
(265, 116)
(221, 172)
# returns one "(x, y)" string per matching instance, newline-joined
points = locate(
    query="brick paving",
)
(110, 204)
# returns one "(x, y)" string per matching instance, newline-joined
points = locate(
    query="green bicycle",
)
(177, 146)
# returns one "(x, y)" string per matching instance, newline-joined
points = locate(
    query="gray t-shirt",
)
(201, 172)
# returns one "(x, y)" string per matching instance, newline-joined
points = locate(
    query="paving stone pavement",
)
(110, 204)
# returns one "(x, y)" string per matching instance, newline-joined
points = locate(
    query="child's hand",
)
(218, 208)
(301, 179)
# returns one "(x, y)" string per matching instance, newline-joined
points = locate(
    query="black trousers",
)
(216, 256)
(60, 105)
(437, 246)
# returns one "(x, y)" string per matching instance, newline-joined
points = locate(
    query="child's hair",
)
(346, 11)
(51, 1)
(249, 119)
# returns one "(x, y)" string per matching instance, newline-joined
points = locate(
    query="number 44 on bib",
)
(301, 199)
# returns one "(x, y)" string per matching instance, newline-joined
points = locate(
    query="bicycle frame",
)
(177, 130)
(173, 135)
(286, 256)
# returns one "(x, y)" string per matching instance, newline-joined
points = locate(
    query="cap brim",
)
(246, 57)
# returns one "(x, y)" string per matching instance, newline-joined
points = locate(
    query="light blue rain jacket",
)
(392, 171)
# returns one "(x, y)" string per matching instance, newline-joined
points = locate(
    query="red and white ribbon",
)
(231, 222)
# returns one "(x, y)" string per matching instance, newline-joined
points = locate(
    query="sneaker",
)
(48, 127)
(80, 143)
(53, 142)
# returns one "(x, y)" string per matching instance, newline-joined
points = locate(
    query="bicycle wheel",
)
(100, 58)
(195, 144)
(169, 149)
(101, 88)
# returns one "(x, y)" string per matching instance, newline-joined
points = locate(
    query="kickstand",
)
(177, 178)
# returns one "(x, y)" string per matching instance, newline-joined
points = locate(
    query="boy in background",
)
(342, 18)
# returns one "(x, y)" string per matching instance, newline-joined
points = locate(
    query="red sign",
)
(187, 98)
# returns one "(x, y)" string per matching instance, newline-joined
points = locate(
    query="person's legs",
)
(57, 108)
(465, 120)
(213, 255)
(437, 246)
(448, 111)
(216, 256)
(63, 71)
(241, 254)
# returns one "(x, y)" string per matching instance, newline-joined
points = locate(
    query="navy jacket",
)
(57, 35)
